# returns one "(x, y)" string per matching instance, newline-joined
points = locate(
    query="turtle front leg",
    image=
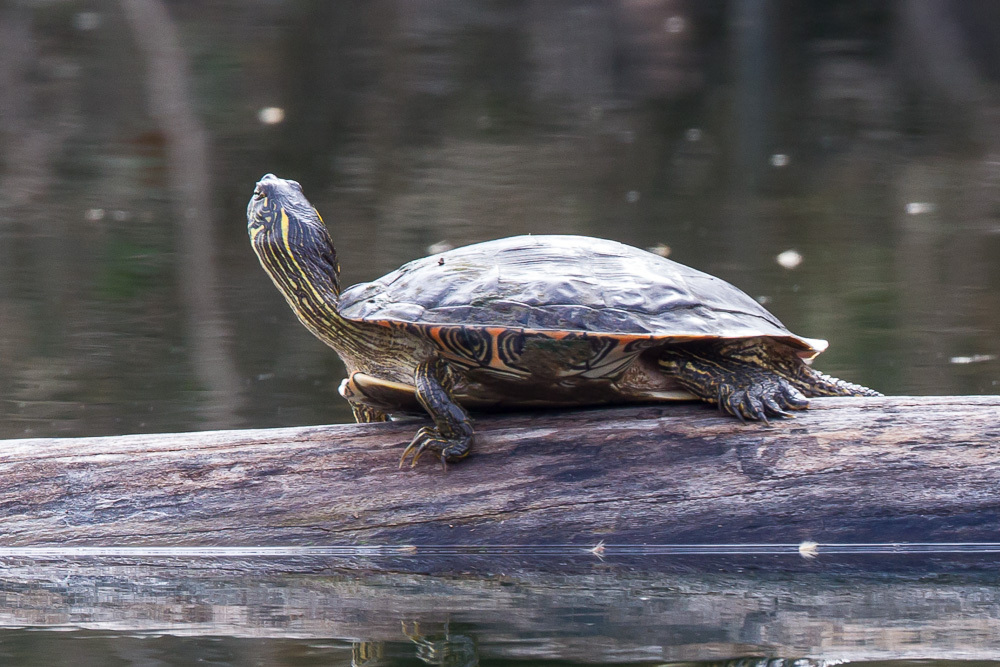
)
(739, 387)
(451, 435)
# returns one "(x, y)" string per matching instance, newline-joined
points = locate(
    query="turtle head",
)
(291, 242)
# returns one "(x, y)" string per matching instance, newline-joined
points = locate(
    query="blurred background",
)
(839, 160)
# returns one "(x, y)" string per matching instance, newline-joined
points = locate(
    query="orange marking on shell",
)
(495, 360)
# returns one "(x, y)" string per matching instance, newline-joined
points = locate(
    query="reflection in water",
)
(757, 662)
(187, 158)
(445, 650)
(368, 654)
(611, 612)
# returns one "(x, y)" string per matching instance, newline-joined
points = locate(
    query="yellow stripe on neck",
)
(303, 276)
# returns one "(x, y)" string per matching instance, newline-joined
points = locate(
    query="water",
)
(839, 163)
(130, 300)
(316, 610)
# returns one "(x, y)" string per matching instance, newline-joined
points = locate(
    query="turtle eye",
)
(258, 194)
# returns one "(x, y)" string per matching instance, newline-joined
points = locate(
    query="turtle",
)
(551, 321)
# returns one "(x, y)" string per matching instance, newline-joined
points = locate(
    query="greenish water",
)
(838, 161)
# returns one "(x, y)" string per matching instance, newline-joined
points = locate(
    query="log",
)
(900, 469)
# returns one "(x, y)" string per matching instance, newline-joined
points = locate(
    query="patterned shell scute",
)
(561, 283)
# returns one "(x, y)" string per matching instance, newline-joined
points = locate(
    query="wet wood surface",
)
(848, 470)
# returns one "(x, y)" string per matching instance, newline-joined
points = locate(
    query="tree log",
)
(899, 469)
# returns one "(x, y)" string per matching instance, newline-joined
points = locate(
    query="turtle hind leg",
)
(790, 366)
(364, 414)
(451, 435)
(739, 385)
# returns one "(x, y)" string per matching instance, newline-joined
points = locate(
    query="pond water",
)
(838, 161)
(739, 611)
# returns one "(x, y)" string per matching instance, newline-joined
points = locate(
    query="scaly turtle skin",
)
(530, 321)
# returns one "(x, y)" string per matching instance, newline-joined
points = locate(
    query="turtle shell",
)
(565, 284)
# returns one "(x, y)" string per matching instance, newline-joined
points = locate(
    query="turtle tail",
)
(813, 383)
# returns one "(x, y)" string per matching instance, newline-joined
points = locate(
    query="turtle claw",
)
(425, 439)
(429, 439)
(729, 403)
(772, 406)
(747, 406)
(760, 401)
(792, 398)
(754, 407)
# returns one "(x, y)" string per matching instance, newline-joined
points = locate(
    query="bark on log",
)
(847, 470)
